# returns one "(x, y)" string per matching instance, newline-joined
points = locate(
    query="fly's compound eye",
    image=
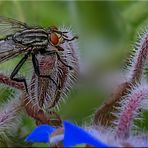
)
(55, 39)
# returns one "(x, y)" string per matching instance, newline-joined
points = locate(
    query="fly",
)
(18, 37)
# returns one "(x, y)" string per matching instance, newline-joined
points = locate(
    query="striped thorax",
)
(32, 37)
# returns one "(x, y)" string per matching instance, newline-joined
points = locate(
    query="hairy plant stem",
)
(32, 110)
(103, 115)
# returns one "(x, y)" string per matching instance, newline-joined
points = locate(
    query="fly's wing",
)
(10, 26)
(8, 48)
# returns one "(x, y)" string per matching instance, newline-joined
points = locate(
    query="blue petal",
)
(40, 134)
(74, 135)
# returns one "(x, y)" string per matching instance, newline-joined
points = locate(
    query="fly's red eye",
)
(54, 39)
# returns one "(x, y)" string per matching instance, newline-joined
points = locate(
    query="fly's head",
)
(57, 37)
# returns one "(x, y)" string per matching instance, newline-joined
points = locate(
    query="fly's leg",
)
(37, 70)
(68, 40)
(58, 56)
(17, 68)
(56, 97)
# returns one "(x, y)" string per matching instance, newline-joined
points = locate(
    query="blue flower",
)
(73, 135)
(40, 134)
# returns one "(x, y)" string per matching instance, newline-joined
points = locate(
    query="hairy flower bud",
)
(47, 92)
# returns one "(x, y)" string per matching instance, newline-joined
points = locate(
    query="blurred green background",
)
(106, 30)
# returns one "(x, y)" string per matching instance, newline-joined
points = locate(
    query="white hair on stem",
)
(129, 107)
(138, 59)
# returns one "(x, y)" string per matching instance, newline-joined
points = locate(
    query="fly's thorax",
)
(32, 37)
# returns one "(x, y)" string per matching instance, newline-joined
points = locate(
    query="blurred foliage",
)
(106, 30)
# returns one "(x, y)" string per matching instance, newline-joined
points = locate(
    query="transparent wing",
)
(10, 26)
(9, 49)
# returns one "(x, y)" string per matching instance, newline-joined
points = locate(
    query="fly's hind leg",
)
(17, 68)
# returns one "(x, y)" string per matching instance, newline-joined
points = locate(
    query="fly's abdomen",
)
(32, 37)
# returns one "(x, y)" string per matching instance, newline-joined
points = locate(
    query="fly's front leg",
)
(17, 68)
(68, 40)
(37, 69)
(58, 56)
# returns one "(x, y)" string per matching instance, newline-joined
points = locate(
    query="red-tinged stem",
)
(130, 108)
(139, 59)
(6, 80)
